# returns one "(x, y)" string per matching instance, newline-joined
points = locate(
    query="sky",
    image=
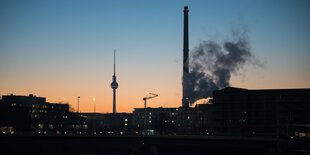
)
(62, 49)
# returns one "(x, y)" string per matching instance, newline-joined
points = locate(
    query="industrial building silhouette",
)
(233, 112)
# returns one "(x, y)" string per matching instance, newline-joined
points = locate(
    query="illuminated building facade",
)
(111, 123)
(165, 120)
(37, 116)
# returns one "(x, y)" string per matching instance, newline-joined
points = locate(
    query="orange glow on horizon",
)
(128, 96)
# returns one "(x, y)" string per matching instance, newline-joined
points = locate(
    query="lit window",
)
(150, 121)
(85, 126)
(126, 120)
(40, 126)
(150, 113)
(188, 117)
(126, 124)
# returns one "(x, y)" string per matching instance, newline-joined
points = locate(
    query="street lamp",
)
(78, 108)
(94, 99)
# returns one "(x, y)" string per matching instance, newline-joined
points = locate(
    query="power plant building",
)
(268, 113)
(235, 112)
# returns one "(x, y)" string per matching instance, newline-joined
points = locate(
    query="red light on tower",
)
(186, 8)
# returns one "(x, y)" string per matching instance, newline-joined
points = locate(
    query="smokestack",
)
(185, 100)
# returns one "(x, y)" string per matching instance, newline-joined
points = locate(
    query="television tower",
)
(114, 86)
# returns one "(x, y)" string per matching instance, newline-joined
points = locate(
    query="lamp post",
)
(94, 99)
(78, 108)
(94, 122)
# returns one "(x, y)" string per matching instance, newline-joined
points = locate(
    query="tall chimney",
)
(185, 101)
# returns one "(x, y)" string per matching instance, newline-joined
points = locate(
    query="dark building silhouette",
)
(33, 114)
(76, 124)
(14, 119)
(235, 112)
(271, 113)
(111, 123)
(231, 112)
(165, 120)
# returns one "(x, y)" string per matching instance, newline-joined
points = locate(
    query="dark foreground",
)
(149, 145)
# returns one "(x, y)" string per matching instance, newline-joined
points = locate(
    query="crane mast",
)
(151, 95)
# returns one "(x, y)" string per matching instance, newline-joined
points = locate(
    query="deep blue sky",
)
(64, 48)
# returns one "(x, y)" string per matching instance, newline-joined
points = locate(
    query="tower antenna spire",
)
(114, 61)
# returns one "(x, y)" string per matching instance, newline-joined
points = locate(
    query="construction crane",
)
(151, 95)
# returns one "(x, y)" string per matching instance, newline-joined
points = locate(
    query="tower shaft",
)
(114, 100)
(185, 102)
